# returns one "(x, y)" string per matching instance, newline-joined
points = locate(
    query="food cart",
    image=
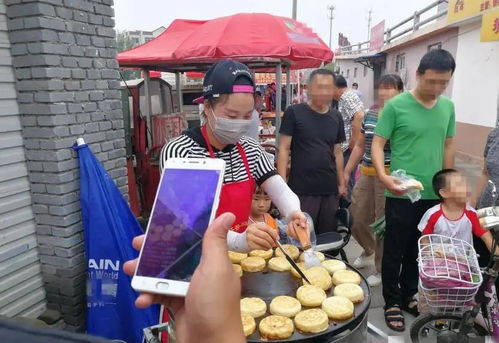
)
(192, 46)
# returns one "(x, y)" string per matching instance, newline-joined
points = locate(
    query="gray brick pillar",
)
(68, 86)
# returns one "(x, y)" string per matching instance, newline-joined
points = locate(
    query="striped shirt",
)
(367, 128)
(348, 105)
(192, 145)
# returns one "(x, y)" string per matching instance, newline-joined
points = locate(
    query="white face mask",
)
(228, 131)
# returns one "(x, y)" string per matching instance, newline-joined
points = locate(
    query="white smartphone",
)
(186, 203)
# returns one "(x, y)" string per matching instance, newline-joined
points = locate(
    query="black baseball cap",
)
(226, 77)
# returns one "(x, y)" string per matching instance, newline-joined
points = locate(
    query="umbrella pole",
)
(278, 97)
(288, 87)
(148, 106)
(178, 85)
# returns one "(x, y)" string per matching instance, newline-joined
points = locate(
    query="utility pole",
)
(369, 19)
(294, 8)
(330, 17)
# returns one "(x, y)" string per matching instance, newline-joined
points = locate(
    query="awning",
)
(370, 60)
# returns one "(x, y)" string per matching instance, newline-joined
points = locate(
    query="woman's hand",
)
(260, 236)
(298, 222)
(214, 286)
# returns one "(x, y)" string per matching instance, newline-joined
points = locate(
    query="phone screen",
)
(181, 214)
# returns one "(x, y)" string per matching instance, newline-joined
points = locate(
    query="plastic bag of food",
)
(411, 187)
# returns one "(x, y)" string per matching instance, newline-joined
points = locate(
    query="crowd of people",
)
(326, 154)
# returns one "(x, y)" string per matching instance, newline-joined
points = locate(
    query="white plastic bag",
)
(407, 184)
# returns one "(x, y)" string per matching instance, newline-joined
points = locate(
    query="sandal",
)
(413, 310)
(394, 314)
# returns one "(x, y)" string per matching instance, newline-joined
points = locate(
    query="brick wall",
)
(67, 82)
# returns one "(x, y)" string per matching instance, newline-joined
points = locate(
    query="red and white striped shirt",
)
(435, 221)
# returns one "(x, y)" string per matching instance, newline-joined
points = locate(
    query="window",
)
(348, 73)
(435, 46)
(399, 62)
(365, 71)
(355, 72)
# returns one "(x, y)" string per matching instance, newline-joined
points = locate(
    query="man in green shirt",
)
(420, 125)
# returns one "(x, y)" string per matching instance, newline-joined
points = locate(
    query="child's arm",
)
(479, 231)
(487, 239)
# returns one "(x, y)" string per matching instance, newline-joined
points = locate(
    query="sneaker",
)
(374, 280)
(363, 261)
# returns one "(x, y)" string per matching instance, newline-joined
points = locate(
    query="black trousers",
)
(322, 209)
(399, 269)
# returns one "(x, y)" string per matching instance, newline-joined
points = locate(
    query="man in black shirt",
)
(312, 134)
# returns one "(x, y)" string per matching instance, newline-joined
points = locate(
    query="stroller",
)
(332, 243)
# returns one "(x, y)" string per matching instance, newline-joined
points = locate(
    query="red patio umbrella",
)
(243, 36)
(258, 35)
(161, 48)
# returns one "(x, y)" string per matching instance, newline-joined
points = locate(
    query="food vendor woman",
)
(228, 92)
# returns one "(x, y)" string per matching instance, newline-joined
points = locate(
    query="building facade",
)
(473, 88)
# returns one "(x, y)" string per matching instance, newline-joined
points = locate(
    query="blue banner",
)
(109, 228)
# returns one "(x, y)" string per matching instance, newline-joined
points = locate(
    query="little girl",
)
(260, 207)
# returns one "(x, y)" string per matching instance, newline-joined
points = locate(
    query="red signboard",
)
(266, 78)
(377, 36)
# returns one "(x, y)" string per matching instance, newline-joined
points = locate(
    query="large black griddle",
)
(269, 284)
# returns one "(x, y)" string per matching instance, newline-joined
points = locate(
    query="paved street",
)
(375, 316)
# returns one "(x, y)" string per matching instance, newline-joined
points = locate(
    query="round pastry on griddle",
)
(310, 295)
(279, 264)
(254, 307)
(319, 255)
(346, 276)
(265, 254)
(253, 264)
(333, 266)
(338, 308)
(300, 265)
(312, 321)
(350, 291)
(238, 269)
(318, 276)
(276, 327)
(284, 305)
(292, 251)
(237, 257)
(249, 324)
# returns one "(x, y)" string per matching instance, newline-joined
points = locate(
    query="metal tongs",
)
(292, 262)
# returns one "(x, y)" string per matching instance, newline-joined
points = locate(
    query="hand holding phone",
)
(185, 204)
(215, 289)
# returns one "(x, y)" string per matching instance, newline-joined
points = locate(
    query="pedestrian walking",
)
(352, 112)
(420, 125)
(368, 197)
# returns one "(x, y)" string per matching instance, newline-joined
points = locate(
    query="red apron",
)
(235, 197)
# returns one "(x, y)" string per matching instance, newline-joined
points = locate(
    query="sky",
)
(350, 16)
